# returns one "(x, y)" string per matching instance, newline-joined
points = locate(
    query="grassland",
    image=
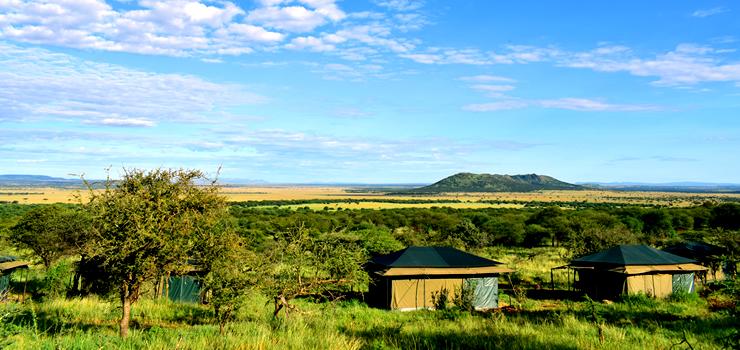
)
(31, 195)
(536, 319)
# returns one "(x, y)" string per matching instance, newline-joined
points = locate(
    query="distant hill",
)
(468, 182)
(31, 178)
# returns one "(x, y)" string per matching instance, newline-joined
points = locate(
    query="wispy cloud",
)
(48, 84)
(591, 105)
(705, 13)
(575, 104)
(487, 79)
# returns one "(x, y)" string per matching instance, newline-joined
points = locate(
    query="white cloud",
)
(212, 60)
(31, 160)
(127, 122)
(583, 104)
(516, 54)
(704, 13)
(297, 18)
(486, 79)
(499, 88)
(36, 82)
(689, 64)
(575, 104)
(400, 5)
(166, 27)
(314, 44)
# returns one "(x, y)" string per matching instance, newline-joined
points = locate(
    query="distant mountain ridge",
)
(12, 177)
(469, 182)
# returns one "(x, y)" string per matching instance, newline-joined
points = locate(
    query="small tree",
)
(318, 265)
(51, 232)
(147, 223)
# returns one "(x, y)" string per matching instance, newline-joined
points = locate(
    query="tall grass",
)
(633, 322)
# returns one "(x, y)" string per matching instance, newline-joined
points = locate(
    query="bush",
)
(56, 280)
(439, 298)
(638, 300)
(684, 297)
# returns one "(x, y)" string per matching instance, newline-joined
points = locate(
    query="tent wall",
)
(486, 292)
(408, 294)
(683, 283)
(185, 289)
(658, 286)
(416, 293)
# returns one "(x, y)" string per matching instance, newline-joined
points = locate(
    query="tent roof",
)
(631, 255)
(6, 258)
(695, 250)
(432, 257)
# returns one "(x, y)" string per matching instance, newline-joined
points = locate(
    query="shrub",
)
(56, 280)
(439, 298)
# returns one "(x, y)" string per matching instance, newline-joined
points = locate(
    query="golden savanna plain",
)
(260, 192)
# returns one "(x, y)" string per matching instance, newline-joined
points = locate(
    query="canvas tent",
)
(406, 279)
(184, 289)
(633, 269)
(8, 265)
(708, 255)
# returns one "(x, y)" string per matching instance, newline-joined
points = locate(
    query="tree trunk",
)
(126, 314)
(226, 318)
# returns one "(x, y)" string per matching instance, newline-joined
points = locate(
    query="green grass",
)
(540, 319)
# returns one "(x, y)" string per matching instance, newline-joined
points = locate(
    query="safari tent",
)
(184, 289)
(406, 279)
(8, 265)
(633, 269)
(706, 254)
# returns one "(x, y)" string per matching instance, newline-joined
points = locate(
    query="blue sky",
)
(377, 91)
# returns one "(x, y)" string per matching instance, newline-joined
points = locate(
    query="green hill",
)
(468, 182)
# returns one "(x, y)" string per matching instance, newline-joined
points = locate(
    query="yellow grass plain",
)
(469, 200)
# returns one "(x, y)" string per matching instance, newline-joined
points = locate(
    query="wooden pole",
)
(23, 298)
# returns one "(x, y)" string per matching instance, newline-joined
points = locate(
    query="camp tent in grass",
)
(406, 279)
(8, 265)
(632, 269)
(706, 254)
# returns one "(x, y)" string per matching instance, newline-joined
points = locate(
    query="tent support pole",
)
(552, 281)
(23, 298)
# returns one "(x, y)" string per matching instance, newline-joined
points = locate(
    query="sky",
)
(372, 91)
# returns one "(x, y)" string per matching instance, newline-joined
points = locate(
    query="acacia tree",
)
(147, 223)
(307, 263)
(51, 232)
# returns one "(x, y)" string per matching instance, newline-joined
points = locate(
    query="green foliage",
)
(594, 239)
(148, 223)
(639, 300)
(321, 266)
(686, 298)
(464, 295)
(56, 279)
(439, 298)
(467, 182)
(51, 232)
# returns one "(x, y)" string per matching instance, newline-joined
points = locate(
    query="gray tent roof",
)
(432, 257)
(631, 255)
(695, 250)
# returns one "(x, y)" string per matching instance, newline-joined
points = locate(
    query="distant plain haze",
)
(377, 91)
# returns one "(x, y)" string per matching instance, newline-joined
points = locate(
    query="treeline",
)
(476, 228)
(280, 202)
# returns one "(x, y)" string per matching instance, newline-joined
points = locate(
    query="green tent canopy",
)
(406, 279)
(632, 269)
(631, 255)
